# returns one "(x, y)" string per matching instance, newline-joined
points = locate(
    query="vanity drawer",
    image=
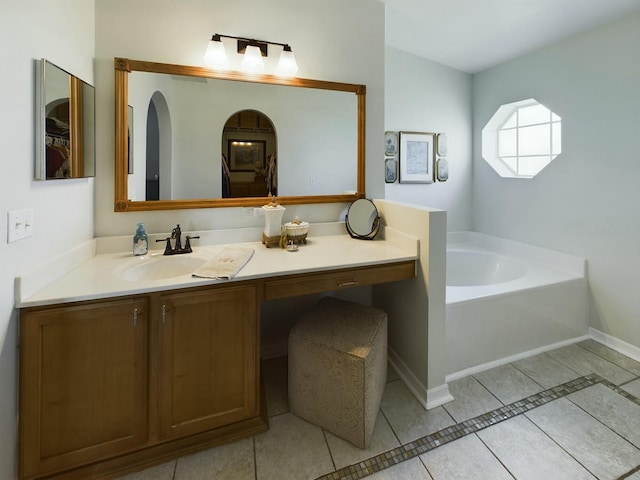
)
(306, 283)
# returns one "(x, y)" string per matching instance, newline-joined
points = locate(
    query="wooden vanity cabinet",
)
(108, 386)
(114, 385)
(83, 394)
(209, 359)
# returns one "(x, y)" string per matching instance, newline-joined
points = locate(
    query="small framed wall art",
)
(390, 143)
(416, 157)
(390, 170)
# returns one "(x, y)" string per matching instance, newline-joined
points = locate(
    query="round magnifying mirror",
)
(362, 219)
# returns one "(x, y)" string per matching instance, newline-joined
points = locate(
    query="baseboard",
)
(438, 396)
(428, 398)
(616, 344)
(512, 358)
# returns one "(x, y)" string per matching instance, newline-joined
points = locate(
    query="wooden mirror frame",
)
(124, 66)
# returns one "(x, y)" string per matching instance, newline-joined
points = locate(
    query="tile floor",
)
(572, 413)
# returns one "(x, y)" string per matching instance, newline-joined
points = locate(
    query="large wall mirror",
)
(65, 125)
(190, 137)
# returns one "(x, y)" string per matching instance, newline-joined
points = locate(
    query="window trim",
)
(491, 140)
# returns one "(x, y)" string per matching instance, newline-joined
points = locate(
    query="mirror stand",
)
(362, 220)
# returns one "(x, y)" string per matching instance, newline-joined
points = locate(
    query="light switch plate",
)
(19, 224)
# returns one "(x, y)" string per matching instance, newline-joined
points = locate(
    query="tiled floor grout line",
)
(629, 473)
(255, 458)
(608, 360)
(326, 442)
(622, 393)
(495, 456)
(552, 439)
(459, 430)
(397, 437)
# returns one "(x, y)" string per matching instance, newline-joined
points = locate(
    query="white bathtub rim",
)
(490, 268)
(544, 267)
(459, 295)
(555, 260)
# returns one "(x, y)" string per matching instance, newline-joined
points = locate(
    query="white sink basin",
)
(160, 267)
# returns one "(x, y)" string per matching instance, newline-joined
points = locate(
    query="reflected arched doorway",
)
(249, 155)
(158, 149)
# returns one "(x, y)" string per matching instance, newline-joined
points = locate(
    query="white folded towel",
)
(226, 264)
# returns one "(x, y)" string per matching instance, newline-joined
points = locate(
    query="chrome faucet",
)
(176, 235)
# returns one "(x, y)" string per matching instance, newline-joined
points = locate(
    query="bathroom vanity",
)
(118, 375)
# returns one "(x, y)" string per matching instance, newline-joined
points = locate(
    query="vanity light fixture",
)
(215, 56)
(252, 51)
(252, 60)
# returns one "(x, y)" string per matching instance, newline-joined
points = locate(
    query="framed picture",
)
(390, 170)
(130, 139)
(246, 155)
(416, 157)
(390, 143)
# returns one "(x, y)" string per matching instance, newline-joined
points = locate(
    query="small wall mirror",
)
(362, 219)
(66, 125)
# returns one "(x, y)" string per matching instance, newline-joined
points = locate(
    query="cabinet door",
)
(209, 364)
(82, 383)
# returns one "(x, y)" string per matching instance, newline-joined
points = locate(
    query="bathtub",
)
(506, 300)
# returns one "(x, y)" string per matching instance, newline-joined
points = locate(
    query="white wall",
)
(324, 36)
(416, 307)
(424, 96)
(587, 202)
(62, 32)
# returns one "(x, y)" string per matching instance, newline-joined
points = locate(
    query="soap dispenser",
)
(140, 241)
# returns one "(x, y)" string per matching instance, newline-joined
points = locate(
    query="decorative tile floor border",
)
(473, 425)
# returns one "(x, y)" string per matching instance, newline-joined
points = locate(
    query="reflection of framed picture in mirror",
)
(246, 155)
(130, 138)
(416, 157)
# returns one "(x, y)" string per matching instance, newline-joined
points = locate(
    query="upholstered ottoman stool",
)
(338, 368)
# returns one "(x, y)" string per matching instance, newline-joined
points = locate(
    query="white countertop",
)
(101, 275)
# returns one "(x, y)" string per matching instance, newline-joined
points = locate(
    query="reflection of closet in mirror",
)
(249, 156)
(65, 125)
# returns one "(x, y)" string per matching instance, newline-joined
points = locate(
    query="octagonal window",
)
(521, 139)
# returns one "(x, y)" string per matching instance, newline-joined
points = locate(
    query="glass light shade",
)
(287, 65)
(252, 60)
(215, 55)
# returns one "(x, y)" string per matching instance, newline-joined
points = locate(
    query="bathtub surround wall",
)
(424, 96)
(587, 202)
(62, 32)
